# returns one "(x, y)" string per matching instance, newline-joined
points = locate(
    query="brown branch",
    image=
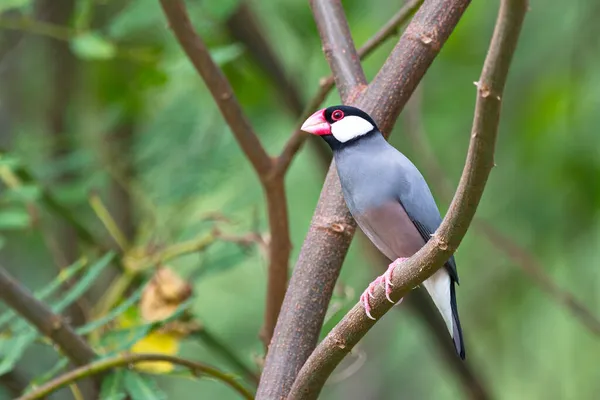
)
(338, 47)
(244, 25)
(218, 85)
(48, 323)
(273, 183)
(420, 302)
(125, 361)
(332, 226)
(520, 256)
(480, 160)
(294, 144)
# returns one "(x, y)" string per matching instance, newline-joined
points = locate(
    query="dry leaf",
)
(163, 294)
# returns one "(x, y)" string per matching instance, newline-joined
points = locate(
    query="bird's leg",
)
(385, 281)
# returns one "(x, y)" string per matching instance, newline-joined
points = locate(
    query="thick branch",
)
(125, 361)
(425, 262)
(332, 226)
(298, 137)
(48, 323)
(338, 47)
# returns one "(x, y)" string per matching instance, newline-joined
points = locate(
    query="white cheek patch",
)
(350, 127)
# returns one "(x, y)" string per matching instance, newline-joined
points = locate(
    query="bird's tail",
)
(441, 288)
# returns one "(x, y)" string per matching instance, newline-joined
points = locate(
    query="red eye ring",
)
(337, 115)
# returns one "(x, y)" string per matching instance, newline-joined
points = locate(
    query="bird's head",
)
(339, 124)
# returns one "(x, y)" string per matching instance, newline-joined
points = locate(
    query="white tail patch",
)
(438, 287)
(350, 127)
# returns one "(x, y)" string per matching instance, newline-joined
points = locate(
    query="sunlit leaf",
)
(157, 343)
(92, 46)
(142, 387)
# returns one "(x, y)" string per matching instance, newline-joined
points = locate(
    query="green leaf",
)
(14, 219)
(113, 314)
(122, 339)
(84, 283)
(92, 46)
(113, 386)
(6, 5)
(142, 387)
(12, 349)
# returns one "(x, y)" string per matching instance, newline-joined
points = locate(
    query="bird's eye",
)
(337, 115)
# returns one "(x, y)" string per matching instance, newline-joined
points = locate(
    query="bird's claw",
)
(385, 281)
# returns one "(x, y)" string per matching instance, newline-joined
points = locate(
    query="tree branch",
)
(294, 144)
(480, 160)
(217, 84)
(124, 361)
(48, 323)
(420, 302)
(273, 183)
(338, 47)
(332, 226)
(519, 255)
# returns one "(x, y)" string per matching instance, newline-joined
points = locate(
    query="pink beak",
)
(316, 124)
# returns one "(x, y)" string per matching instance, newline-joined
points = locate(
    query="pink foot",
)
(385, 281)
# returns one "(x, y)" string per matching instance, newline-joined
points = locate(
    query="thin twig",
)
(48, 323)
(298, 137)
(472, 382)
(273, 183)
(532, 267)
(519, 255)
(124, 361)
(332, 226)
(479, 163)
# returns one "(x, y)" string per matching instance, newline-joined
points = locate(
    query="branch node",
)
(339, 342)
(335, 227)
(429, 39)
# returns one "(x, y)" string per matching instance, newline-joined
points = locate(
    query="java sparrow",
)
(390, 200)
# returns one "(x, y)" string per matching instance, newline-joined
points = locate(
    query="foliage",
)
(184, 175)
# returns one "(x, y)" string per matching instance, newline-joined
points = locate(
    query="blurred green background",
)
(96, 96)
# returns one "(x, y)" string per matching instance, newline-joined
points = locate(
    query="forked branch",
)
(272, 182)
(332, 227)
(480, 160)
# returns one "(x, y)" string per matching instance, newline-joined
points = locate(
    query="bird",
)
(390, 201)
